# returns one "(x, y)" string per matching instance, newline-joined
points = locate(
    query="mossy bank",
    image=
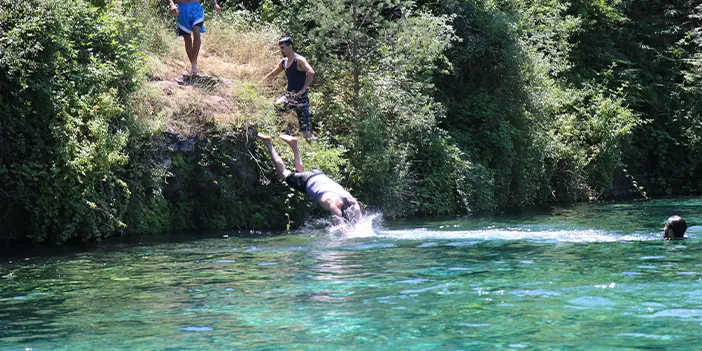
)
(99, 140)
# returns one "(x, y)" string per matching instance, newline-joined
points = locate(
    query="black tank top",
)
(296, 78)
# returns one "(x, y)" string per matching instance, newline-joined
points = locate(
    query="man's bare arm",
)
(275, 72)
(216, 7)
(305, 66)
(337, 215)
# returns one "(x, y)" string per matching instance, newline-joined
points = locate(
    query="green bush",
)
(375, 99)
(66, 73)
(647, 50)
(403, 162)
(587, 139)
(541, 137)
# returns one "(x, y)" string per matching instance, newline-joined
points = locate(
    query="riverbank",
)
(200, 160)
(443, 111)
(131, 151)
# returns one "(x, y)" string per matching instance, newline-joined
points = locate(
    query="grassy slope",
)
(238, 52)
(214, 187)
(235, 53)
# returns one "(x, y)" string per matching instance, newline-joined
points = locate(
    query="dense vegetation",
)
(67, 73)
(425, 107)
(546, 100)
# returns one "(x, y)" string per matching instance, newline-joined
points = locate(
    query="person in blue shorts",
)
(191, 23)
(323, 190)
(300, 75)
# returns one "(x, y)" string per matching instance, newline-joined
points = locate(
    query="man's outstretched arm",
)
(274, 72)
(337, 215)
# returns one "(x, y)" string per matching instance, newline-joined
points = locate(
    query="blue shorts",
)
(190, 15)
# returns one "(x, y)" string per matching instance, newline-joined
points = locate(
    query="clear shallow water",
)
(589, 277)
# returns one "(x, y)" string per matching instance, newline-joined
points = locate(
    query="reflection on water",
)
(585, 277)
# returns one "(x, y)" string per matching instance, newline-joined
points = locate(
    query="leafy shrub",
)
(403, 162)
(541, 137)
(66, 73)
(376, 101)
(587, 139)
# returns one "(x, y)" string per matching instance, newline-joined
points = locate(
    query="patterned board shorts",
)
(301, 106)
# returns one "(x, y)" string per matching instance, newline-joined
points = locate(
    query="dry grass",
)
(238, 58)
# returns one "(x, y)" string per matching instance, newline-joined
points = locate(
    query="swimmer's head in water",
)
(675, 228)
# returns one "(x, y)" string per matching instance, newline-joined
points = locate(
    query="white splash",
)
(365, 227)
(575, 236)
(371, 226)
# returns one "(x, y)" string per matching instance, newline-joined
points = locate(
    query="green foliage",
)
(587, 138)
(541, 137)
(402, 161)
(220, 184)
(399, 159)
(533, 136)
(66, 72)
(425, 108)
(692, 84)
(152, 16)
(194, 183)
(648, 49)
(558, 96)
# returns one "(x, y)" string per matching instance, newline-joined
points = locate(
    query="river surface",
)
(586, 277)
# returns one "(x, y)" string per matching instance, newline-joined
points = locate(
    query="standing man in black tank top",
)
(300, 75)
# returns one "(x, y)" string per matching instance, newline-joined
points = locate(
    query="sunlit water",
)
(589, 277)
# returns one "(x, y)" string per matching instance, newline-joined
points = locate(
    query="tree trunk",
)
(354, 59)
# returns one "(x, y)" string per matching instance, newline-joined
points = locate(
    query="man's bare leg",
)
(292, 142)
(188, 40)
(197, 42)
(277, 161)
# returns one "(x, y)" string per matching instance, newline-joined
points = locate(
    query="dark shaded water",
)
(589, 277)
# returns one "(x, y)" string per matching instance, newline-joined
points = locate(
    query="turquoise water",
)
(588, 277)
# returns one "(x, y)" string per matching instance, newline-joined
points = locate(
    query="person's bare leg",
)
(188, 39)
(277, 161)
(196, 48)
(292, 141)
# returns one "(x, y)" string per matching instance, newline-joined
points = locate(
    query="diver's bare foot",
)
(291, 140)
(265, 138)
